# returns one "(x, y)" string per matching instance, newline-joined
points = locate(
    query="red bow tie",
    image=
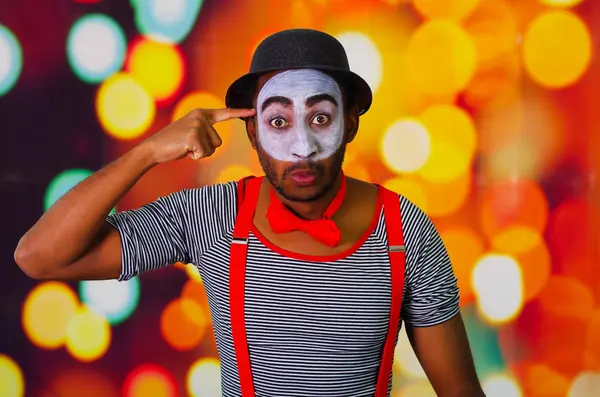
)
(282, 220)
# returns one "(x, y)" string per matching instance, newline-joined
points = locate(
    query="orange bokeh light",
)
(465, 247)
(509, 202)
(410, 188)
(567, 296)
(195, 291)
(446, 198)
(527, 246)
(149, 380)
(592, 343)
(356, 169)
(493, 26)
(540, 380)
(552, 329)
(183, 324)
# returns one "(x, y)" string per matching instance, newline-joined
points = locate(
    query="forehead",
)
(331, 86)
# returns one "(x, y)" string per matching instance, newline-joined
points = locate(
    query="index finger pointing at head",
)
(218, 115)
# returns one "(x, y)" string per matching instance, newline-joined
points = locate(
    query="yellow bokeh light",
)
(408, 188)
(501, 385)
(405, 359)
(233, 172)
(498, 285)
(88, 335)
(437, 199)
(441, 58)
(46, 314)
(557, 49)
(561, 3)
(192, 272)
(405, 146)
(124, 107)
(444, 9)
(453, 143)
(158, 67)
(204, 378)
(12, 383)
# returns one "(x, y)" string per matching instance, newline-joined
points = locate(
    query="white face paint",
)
(300, 116)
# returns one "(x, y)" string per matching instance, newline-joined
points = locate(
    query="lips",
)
(303, 177)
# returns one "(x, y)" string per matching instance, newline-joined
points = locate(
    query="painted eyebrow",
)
(313, 100)
(287, 102)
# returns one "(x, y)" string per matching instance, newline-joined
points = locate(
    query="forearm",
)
(69, 226)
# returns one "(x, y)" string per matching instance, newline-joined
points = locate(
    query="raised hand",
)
(193, 135)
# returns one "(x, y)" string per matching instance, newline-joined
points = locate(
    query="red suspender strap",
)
(397, 253)
(237, 275)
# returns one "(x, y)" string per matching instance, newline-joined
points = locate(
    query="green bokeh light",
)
(64, 182)
(11, 60)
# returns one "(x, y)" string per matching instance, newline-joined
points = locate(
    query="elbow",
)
(30, 262)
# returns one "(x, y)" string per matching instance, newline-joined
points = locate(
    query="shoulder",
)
(220, 191)
(418, 229)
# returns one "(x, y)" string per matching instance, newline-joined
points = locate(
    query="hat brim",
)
(241, 92)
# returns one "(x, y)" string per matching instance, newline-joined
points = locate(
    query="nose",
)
(305, 145)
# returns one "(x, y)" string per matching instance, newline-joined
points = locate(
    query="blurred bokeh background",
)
(485, 114)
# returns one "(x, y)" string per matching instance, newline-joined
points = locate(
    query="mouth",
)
(303, 177)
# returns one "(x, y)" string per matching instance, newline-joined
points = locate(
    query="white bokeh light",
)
(497, 281)
(168, 11)
(501, 385)
(364, 57)
(96, 47)
(112, 299)
(405, 146)
(204, 378)
(586, 384)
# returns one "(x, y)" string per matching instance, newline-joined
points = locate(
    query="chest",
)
(341, 304)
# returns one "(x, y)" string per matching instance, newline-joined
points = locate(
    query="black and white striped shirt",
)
(315, 325)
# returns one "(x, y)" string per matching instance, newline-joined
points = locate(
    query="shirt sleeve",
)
(431, 293)
(179, 227)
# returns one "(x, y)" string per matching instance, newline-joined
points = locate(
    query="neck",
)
(313, 209)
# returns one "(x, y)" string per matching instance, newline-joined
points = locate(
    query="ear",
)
(352, 121)
(251, 130)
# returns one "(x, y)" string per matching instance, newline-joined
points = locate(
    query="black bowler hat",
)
(299, 49)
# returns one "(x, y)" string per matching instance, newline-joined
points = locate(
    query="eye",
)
(278, 122)
(320, 119)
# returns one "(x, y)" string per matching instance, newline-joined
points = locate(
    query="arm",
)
(431, 311)
(73, 240)
(444, 353)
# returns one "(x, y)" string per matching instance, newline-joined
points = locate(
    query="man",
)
(307, 272)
